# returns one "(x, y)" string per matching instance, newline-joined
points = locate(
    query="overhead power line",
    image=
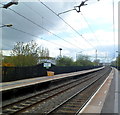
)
(43, 17)
(35, 36)
(48, 30)
(67, 23)
(42, 27)
(90, 27)
(53, 43)
(58, 45)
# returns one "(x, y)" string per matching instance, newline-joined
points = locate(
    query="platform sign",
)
(47, 65)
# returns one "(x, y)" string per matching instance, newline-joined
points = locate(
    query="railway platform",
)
(33, 81)
(106, 98)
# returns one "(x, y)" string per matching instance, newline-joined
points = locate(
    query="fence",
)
(117, 67)
(18, 73)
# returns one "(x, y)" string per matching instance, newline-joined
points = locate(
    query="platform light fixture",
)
(6, 25)
(13, 2)
(60, 51)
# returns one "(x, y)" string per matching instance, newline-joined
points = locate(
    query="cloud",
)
(37, 14)
(6, 52)
(98, 15)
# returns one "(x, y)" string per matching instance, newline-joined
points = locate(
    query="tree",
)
(44, 52)
(83, 60)
(64, 61)
(96, 62)
(26, 54)
(1, 56)
(118, 60)
(7, 61)
(113, 63)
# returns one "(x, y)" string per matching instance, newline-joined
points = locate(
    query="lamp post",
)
(6, 25)
(95, 54)
(60, 51)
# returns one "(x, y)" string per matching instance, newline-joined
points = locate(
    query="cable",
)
(66, 23)
(34, 11)
(90, 27)
(42, 27)
(34, 36)
(38, 37)
(40, 15)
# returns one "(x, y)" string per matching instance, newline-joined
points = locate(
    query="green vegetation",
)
(82, 60)
(25, 54)
(116, 62)
(64, 61)
(29, 54)
(1, 58)
(96, 62)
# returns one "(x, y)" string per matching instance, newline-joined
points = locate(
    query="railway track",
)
(41, 100)
(76, 102)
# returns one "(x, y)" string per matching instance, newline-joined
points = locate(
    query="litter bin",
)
(50, 73)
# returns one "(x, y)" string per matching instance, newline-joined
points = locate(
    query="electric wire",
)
(90, 28)
(67, 24)
(43, 28)
(35, 11)
(19, 30)
(29, 20)
(42, 16)
(38, 37)
(33, 35)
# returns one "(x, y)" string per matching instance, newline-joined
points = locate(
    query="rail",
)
(26, 104)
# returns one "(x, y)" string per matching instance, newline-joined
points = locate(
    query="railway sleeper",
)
(9, 111)
(25, 104)
(73, 105)
(66, 111)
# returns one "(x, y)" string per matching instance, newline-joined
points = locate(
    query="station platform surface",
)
(106, 99)
(27, 82)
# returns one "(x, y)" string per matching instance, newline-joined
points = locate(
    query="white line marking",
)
(94, 95)
(116, 92)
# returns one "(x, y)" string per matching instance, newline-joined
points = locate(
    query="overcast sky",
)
(93, 27)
